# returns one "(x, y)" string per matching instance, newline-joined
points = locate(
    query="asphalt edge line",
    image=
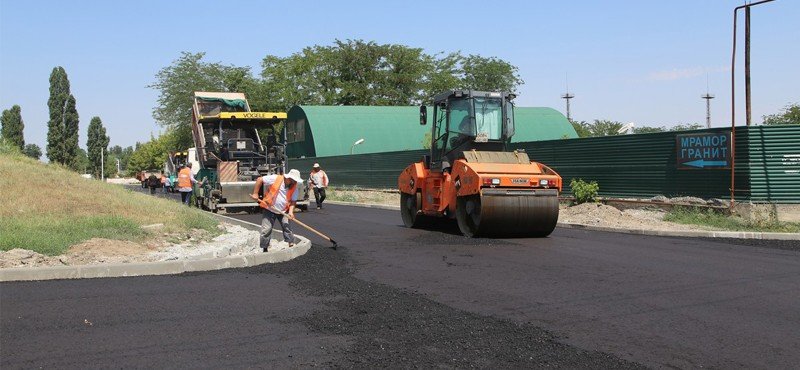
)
(160, 267)
(674, 233)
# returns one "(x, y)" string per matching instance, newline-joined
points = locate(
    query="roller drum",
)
(501, 212)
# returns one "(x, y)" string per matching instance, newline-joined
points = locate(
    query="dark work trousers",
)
(268, 219)
(186, 197)
(319, 195)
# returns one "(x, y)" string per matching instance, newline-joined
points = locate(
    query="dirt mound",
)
(18, 257)
(596, 214)
(99, 250)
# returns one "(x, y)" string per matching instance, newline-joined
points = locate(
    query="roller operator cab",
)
(469, 175)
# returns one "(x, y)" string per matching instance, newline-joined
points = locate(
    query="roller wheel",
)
(409, 210)
(507, 216)
(468, 215)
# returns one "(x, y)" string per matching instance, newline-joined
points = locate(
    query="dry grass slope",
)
(47, 208)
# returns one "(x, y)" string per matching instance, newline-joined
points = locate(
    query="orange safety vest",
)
(272, 194)
(185, 178)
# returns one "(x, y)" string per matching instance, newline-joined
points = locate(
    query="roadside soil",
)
(158, 247)
(596, 214)
(593, 214)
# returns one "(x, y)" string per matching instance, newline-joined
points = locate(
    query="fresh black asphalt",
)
(397, 297)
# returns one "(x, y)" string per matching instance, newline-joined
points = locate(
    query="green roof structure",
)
(323, 131)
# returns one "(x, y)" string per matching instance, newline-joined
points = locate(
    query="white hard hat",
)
(295, 175)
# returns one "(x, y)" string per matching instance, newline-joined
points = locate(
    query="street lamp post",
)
(359, 141)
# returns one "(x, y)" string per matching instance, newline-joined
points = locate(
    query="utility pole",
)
(747, 64)
(102, 165)
(733, 85)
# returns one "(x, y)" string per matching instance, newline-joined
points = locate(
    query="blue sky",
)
(632, 61)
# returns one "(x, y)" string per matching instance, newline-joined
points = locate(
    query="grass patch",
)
(716, 220)
(54, 235)
(47, 208)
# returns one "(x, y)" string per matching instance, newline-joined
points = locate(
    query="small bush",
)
(584, 191)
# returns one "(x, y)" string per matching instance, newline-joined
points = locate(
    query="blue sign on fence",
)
(706, 150)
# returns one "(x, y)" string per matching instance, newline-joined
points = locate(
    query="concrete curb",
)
(158, 268)
(691, 234)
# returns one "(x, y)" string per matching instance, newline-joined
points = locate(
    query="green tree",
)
(401, 75)
(33, 151)
(605, 128)
(57, 104)
(189, 73)
(490, 74)
(648, 129)
(789, 116)
(81, 161)
(153, 154)
(123, 154)
(12, 126)
(97, 143)
(686, 127)
(358, 72)
(71, 137)
(581, 128)
(149, 156)
(444, 74)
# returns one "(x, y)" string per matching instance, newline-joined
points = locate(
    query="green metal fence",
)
(767, 165)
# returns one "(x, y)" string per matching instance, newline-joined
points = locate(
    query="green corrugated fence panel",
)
(774, 163)
(767, 165)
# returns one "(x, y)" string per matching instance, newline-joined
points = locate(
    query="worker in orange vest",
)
(165, 182)
(318, 179)
(185, 181)
(280, 195)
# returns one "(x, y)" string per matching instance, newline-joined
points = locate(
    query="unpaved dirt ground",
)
(596, 214)
(593, 214)
(160, 247)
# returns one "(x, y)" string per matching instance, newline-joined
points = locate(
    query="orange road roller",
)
(469, 175)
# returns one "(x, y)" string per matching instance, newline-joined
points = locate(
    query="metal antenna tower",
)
(708, 98)
(567, 97)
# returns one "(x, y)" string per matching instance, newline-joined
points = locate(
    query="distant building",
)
(323, 131)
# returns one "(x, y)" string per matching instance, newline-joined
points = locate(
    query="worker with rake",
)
(280, 196)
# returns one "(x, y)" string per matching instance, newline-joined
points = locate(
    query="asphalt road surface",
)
(397, 297)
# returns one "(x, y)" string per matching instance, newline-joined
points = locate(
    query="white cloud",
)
(681, 73)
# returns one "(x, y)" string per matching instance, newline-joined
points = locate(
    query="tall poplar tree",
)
(71, 148)
(96, 144)
(12, 126)
(57, 104)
